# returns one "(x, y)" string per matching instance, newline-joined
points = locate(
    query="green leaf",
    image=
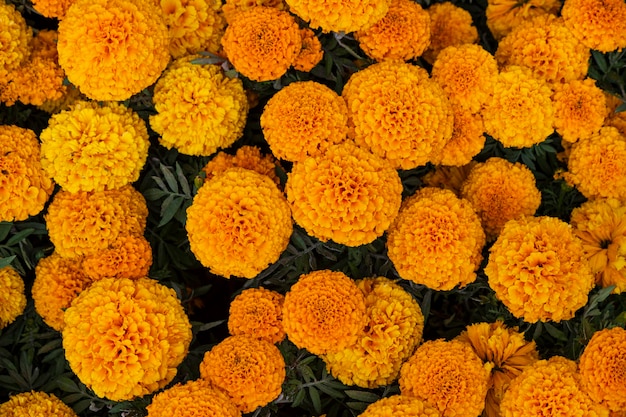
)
(315, 400)
(554, 332)
(183, 180)
(208, 326)
(67, 385)
(6, 261)
(600, 60)
(81, 406)
(154, 194)
(356, 405)
(19, 236)
(621, 108)
(298, 398)
(169, 208)
(5, 228)
(363, 396)
(169, 178)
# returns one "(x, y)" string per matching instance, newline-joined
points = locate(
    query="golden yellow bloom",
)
(324, 312)
(35, 403)
(239, 223)
(436, 240)
(500, 191)
(250, 370)
(448, 177)
(191, 399)
(505, 15)
(617, 120)
(262, 42)
(311, 53)
(399, 113)
(340, 15)
(232, 7)
(52, 8)
(599, 24)
(124, 338)
(199, 108)
(467, 138)
(257, 312)
(35, 82)
(12, 298)
(347, 194)
(580, 109)
(450, 25)
(248, 157)
(538, 269)
(15, 39)
(400, 406)
(404, 33)
(520, 113)
(129, 256)
(448, 375)
(394, 328)
(112, 49)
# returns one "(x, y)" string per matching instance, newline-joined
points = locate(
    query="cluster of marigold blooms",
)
(124, 333)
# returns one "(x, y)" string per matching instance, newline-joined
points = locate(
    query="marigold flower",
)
(257, 312)
(340, 16)
(70, 97)
(399, 113)
(436, 240)
(347, 194)
(231, 7)
(124, 338)
(35, 403)
(129, 256)
(248, 157)
(15, 41)
(617, 120)
(239, 223)
(262, 42)
(505, 15)
(199, 109)
(450, 25)
(580, 109)
(193, 398)
(324, 312)
(599, 24)
(250, 370)
(537, 268)
(520, 113)
(400, 406)
(311, 53)
(12, 298)
(467, 138)
(35, 82)
(112, 49)
(448, 375)
(52, 8)
(394, 328)
(448, 177)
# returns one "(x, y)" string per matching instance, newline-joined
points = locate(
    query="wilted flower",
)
(12, 298)
(191, 399)
(400, 406)
(35, 403)
(580, 109)
(340, 15)
(599, 24)
(257, 312)
(248, 157)
(450, 25)
(311, 53)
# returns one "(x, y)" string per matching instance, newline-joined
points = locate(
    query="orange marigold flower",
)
(112, 49)
(340, 16)
(52, 8)
(248, 157)
(399, 113)
(347, 194)
(304, 119)
(257, 312)
(617, 120)
(394, 328)
(400, 406)
(191, 399)
(124, 338)
(505, 15)
(199, 109)
(538, 269)
(404, 33)
(448, 375)
(311, 53)
(128, 256)
(324, 312)
(448, 177)
(520, 112)
(35, 82)
(262, 42)
(467, 138)
(500, 191)
(231, 7)
(436, 240)
(15, 39)
(450, 25)
(239, 223)
(70, 97)
(35, 403)
(12, 298)
(599, 24)
(250, 370)
(579, 109)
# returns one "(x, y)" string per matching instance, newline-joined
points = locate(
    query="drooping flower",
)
(448, 177)
(311, 53)
(248, 157)
(598, 24)
(15, 41)
(129, 256)
(35, 403)
(450, 25)
(579, 109)
(340, 16)
(505, 15)
(193, 398)
(467, 140)
(324, 312)
(257, 312)
(400, 406)
(124, 338)
(250, 370)
(12, 298)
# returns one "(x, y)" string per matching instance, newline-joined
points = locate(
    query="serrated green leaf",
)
(363, 396)
(326, 389)
(621, 108)
(356, 405)
(600, 60)
(169, 178)
(306, 372)
(315, 400)
(72, 398)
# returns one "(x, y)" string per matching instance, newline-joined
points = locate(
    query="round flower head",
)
(124, 338)
(537, 268)
(467, 138)
(580, 109)
(400, 406)
(404, 33)
(601, 367)
(12, 298)
(191, 399)
(505, 15)
(448, 177)
(617, 120)
(448, 375)
(238, 223)
(399, 113)
(248, 157)
(52, 8)
(257, 312)
(436, 240)
(129, 256)
(311, 53)
(250, 370)
(35, 82)
(340, 16)
(15, 41)
(35, 403)
(599, 24)
(499, 191)
(232, 7)
(394, 328)
(199, 109)
(262, 42)
(304, 119)
(450, 25)
(70, 96)
(347, 194)
(324, 312)
(520, 113)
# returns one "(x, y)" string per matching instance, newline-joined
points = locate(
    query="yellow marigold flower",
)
(500, 191)
(404, 33)
(448, 177)
(324, 312)
(617, 120)
(601, 367)
(340, 16)
(35, 403)
(250, 370)
(311, 53)
(599, 24)
(551, 384)
(57, 282)
(347, 194)
(262, 42)
(436, 240)
(538, 269)
(400, 406)
(124, 338)
(191, 399)
(399, 113)
(35, 82)
(239, 223)
(248, 157)
(199, 108)
(394, 328)
(467, 138)
(52, 8)
(12, 298)
(112, 49)
(507, 353)
(450, 25)
(304, 119)
(505, 15)
(520, 112)
(128, 256)
(257, 312)
(448, 375)
(15, 41)
(580, 109)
